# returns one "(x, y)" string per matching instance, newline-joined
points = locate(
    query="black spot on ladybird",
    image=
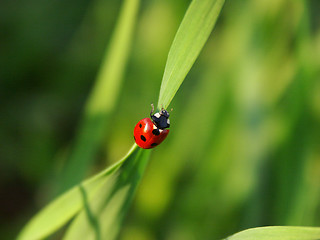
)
(143, 138)
(140, 126)
(154, 144)
(156, 132)
(134, 137)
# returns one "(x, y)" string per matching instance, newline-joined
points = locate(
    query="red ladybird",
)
(149, 134)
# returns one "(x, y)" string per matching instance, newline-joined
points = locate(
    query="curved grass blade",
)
(62, 209)
(102, 99)
(101, 218)
(278, 233)
(190, 38)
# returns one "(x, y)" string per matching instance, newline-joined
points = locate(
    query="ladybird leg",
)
(152, 109)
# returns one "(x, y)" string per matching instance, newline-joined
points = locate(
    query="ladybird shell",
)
(147, 135)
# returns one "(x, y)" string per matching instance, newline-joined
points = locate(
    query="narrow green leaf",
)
(101, 218)
(106, 89)
(102, 99)
(278, 233)
(190, 38)
(61, 210)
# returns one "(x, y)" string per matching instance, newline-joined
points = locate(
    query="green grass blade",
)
(278, 233)
(102, 99)
(191, 36)
(106, 89)
(62, 209)
(102, 217)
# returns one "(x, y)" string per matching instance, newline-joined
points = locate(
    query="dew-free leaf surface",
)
(190, 38)
(102, 216)
(278, 233)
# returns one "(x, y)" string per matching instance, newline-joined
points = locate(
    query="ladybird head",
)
(164, 113)
(160, 119)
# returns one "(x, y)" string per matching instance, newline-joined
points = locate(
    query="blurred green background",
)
(244, 147)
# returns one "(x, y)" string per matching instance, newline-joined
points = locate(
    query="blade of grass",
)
(102, 99)
(191, 36)
(62, 209)
(102, 217)
(278, 233)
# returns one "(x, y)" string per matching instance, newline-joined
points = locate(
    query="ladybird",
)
(150, 133)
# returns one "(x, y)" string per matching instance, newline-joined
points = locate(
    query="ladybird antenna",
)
(152, 109)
